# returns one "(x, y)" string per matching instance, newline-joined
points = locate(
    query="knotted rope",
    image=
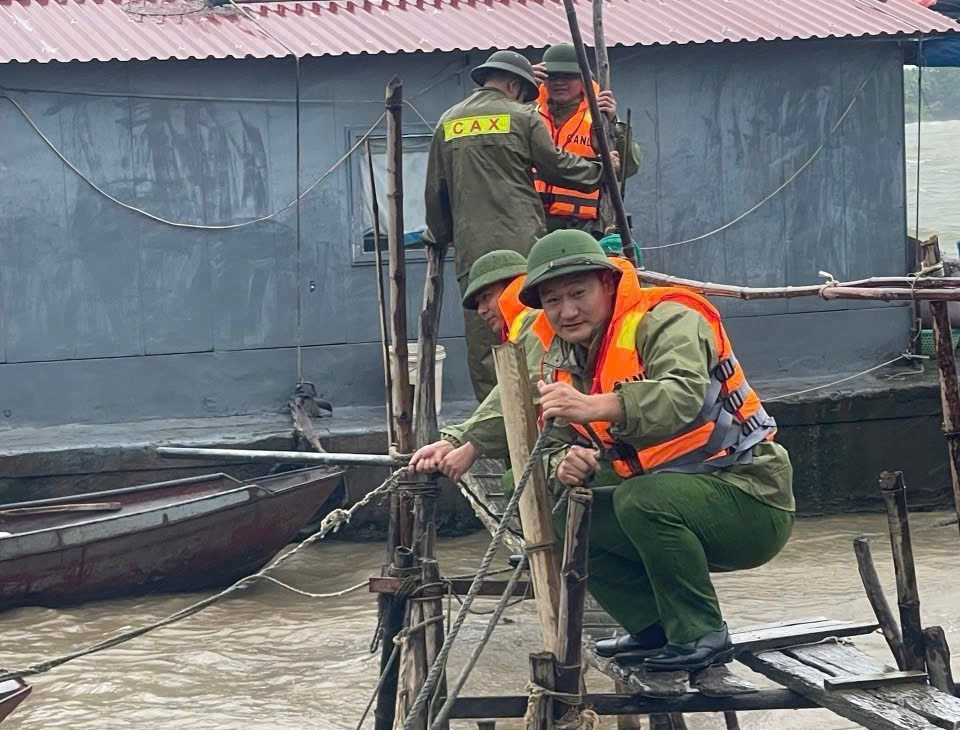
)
(576, 718)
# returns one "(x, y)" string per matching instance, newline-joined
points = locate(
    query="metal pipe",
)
(296, 457)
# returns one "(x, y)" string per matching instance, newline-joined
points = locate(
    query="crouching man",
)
(493, 290)
(685, 474)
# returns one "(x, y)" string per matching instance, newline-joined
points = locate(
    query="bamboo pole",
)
(542, 673)
(398, 272)
(413, 662)
(425, 397)
(938, 660)
(573, 577)
(400, 378)
(908, 597)
(626, 722)
(878, 601)
(381, 300)
(886, 288)
(432, 597)
(731, 721)
(520, 423)
(392, 610)
(947, 370)
(609, 176)
(606, 212)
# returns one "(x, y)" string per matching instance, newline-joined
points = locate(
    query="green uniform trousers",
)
(480, 341)
(655, 539)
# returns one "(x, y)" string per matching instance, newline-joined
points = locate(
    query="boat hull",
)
(185, 535)
(12, 693)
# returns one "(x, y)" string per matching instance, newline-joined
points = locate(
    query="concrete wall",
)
(107, 315)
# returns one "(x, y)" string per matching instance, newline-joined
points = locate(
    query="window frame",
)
(358, 256)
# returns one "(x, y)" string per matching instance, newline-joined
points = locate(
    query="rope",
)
(308, 594)
(331, 523)
(439, 663)
(502, 605)
(904, 356)
(181, 224)
(780, 189)
(576, 718)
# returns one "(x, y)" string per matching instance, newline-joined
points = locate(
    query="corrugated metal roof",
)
(84, 30)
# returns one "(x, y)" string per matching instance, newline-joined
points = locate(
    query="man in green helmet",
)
(479, 190)
(563, 107)
(493, 291)
(685, 474)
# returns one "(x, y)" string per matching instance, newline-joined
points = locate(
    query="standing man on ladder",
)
(563, 107)
(479, 192)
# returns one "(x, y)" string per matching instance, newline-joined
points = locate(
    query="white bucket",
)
(441, 355)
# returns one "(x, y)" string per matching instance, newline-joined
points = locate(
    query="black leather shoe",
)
(514, 560)
(714, 648)
(651, 639)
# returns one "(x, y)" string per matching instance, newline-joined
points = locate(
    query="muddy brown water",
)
(268, 658)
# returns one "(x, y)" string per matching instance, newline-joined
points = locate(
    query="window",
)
(416, 149)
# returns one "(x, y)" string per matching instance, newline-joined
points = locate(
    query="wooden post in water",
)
(908, 596)
(878, 600)
(425, 397)
(938, 660)
(413, 661)
(520, 423)
(432, 597)
(542, 674)
(392, 611)
(947, 369)
(573, 577)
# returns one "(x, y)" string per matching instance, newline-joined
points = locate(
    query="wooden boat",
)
(12, 693)
(186, 534)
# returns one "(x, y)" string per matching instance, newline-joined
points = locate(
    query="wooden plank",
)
(619, 704)
(875, 681)
(837, 660)
(878, 600)
(938, 659)
(719, 681)
(780, 624)
(773, 638)
(857, 705)
(648, 684)
(520, 423)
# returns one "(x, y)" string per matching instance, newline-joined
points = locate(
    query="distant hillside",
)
(941, 93)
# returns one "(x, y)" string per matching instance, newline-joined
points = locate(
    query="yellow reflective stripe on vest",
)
(516, 325)
(474, 126)
(627, 334)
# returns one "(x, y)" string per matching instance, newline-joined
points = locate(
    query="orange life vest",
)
(574, 135)
(514, 313)
(732, 419)
(512, 310)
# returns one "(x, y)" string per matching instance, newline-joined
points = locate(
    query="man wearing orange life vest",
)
(493, 291)
(685, 474)
(563, 107)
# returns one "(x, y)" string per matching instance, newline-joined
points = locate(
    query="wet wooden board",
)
(719, 681)
(774, 636)
(805, 669)
(940, 708)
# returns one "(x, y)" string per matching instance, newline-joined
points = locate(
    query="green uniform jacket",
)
(676, 346)
(484, 428)
(479, 193)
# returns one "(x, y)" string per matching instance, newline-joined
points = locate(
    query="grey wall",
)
(107, 315)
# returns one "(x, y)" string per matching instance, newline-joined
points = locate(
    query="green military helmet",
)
(562, 252)
(561, 59)
(511, 62)
(490, 268)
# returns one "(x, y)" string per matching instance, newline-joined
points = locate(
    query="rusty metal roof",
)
(84, 30)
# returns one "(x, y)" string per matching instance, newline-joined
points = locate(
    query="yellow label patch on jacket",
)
(627, 334)
(473, 126)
